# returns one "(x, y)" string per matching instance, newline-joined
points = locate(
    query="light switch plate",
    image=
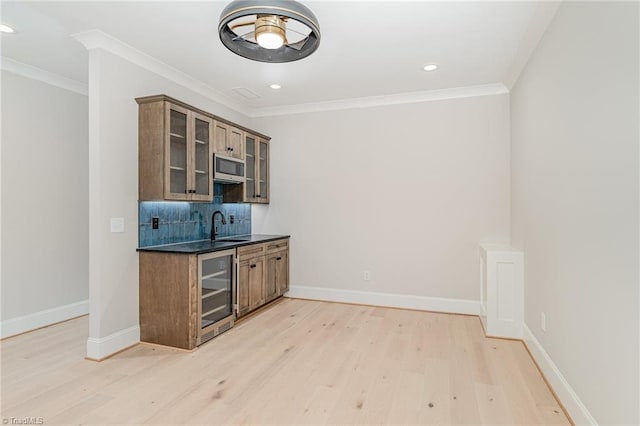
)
(117, 224)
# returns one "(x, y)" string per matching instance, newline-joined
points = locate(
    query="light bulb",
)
(270, 40)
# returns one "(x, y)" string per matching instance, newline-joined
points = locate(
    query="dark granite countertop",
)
(208, 246)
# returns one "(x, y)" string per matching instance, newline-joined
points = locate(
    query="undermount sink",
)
(236, 240)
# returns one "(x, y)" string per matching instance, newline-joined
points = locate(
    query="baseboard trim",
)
(389, 300)
(30, 322)
(563, 390)
(104, 347)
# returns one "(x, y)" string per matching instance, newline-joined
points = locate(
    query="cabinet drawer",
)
(278, 245)
(254, 250)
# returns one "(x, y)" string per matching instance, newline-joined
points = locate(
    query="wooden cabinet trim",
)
(251, 251)
(151, 153)
(278, 245)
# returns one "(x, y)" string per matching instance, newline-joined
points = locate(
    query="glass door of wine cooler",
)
(217, 284)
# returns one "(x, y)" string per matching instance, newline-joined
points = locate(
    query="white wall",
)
(575, 201)
(45, 200)
(114, 83)
(405, 191)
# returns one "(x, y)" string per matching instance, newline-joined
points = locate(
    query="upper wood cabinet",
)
(174, 153)
(256, 186)
(228, 140)
(176, 143)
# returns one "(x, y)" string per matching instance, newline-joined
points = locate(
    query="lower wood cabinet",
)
(187, 299)
(250, 284)
(169, 299)
(263, 274)
(277, 279)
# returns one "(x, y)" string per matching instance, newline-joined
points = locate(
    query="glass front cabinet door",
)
(257, 169)
(202, 158)
(188, 155)
(177, 153)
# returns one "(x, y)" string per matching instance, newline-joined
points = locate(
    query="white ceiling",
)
(368, 48)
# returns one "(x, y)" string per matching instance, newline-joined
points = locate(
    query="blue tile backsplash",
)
(185, 221)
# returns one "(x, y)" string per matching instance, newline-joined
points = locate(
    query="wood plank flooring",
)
(297, 362)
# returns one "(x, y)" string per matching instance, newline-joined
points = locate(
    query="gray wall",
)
(45, 197)
(404, 191)
(575, 201)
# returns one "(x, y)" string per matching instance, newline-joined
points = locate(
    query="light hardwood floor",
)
(297, 362)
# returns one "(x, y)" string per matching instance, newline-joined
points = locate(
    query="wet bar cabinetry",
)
(256, 186)
(175, 147)
(228, 140)
(176, 143)
(191, 292)
(186, 300)
(263, 274)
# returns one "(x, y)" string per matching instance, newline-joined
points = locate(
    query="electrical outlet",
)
(232, 219)
(543, 321)
(155, 222)
(366, 275)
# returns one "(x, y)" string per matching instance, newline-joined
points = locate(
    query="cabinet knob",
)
(252, 266)
(278, 258)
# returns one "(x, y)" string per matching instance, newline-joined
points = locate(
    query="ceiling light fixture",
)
(275, 86)
(6, 29)
(269, 30)
(430, 67)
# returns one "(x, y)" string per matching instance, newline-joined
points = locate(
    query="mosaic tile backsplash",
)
(184, 221)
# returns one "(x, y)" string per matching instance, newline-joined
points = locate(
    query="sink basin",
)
(236, 240)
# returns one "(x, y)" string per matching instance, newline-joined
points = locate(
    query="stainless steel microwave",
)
(227, 169)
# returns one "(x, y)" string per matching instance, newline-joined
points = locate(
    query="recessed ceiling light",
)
(6, 29)
(275, 86)
(430, 67)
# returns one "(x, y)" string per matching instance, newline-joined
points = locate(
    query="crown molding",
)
(34, 73)
(544, 14)
(374, 101)
(96, 39)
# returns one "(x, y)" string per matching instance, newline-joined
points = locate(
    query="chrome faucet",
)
(213, 224)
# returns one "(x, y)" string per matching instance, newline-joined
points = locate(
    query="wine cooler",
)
(216, 285)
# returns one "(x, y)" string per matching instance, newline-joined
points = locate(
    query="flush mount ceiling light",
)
(269, 30)
(430, 67)
(275, 86)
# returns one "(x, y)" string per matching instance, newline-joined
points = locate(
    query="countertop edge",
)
(232, 245)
